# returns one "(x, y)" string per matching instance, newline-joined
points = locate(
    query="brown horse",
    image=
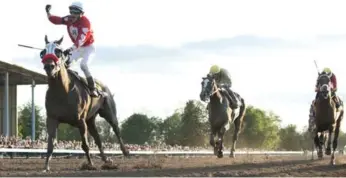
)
(220, 115)
(68, 101)
(327, 118)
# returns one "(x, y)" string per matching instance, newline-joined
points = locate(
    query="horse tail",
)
(242, 110)
(110, 100)
(341, 116)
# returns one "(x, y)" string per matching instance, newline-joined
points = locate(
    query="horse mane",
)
(65, 77)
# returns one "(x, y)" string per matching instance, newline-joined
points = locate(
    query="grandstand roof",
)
(20, 76)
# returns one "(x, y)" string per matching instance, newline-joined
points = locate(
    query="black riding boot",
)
(337, 102)
(234, 103)
(92, 87)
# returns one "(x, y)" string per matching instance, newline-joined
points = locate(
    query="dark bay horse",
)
(68, 101)
(312, 131)
(220, 115)
(327, 118)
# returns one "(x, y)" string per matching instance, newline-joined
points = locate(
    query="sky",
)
(152, 54)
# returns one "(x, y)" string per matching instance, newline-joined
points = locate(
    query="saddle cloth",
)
(84, 81)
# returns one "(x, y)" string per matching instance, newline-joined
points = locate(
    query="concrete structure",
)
(11, 76)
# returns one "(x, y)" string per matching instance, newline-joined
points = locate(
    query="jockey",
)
(81, 34)
(334, 86)
(223, 79)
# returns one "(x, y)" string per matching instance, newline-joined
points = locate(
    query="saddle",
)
(84, 81)
(235, 112)
(236, 95)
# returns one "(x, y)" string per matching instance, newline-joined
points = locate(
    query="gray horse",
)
(68, 101)
(220, 114)
(327, 118)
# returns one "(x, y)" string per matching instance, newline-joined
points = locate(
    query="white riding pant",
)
(86, 53)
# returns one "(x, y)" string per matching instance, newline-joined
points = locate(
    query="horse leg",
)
(212, 141)
(220, 142)
(93, 132)
(318, 145)
(312, 150)
(235, 137)
(109, 113)
(335, 141)
(82, 126)
(52, 126)
(329, 141)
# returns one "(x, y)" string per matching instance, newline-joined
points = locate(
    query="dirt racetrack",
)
(179, 166)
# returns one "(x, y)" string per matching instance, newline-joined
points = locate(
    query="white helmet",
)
(77, 5)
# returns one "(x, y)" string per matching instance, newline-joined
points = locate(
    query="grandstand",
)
(11, 76)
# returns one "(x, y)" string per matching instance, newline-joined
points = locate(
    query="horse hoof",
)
(232, 155)
(87, 166)
(109, 166)
(109, 161)
(220, 154)
(328, 152)
(126, 153)
(332, 162)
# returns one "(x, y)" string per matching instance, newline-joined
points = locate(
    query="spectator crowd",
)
(16, 142)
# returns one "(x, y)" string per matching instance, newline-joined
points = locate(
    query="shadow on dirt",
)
(246, 169)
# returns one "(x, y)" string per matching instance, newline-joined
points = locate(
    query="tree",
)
(105, 130)
(24, 121)
(139, 128)
(341, 140)
(68, 132)
(261, 129)
(306, 140)
(171, 128)
(194, 125)
(290, 139)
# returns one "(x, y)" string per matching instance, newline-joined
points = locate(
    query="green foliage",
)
(194, 126)
(105, 130)
(261, 129)
(67, 132)
(306, 140)
(171, 129)
(290, 138)
(139, 129)
(24, 121)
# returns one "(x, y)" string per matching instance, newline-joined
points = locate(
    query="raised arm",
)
(55, 19)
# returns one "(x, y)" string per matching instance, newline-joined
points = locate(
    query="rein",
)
(216, 90)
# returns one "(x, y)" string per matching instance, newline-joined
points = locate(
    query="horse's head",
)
(207, 88)
(52, 57)
(324, 86)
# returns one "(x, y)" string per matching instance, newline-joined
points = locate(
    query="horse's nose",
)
(48, 66)
(201, 96)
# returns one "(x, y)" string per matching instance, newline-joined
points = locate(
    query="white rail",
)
(67, 151)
